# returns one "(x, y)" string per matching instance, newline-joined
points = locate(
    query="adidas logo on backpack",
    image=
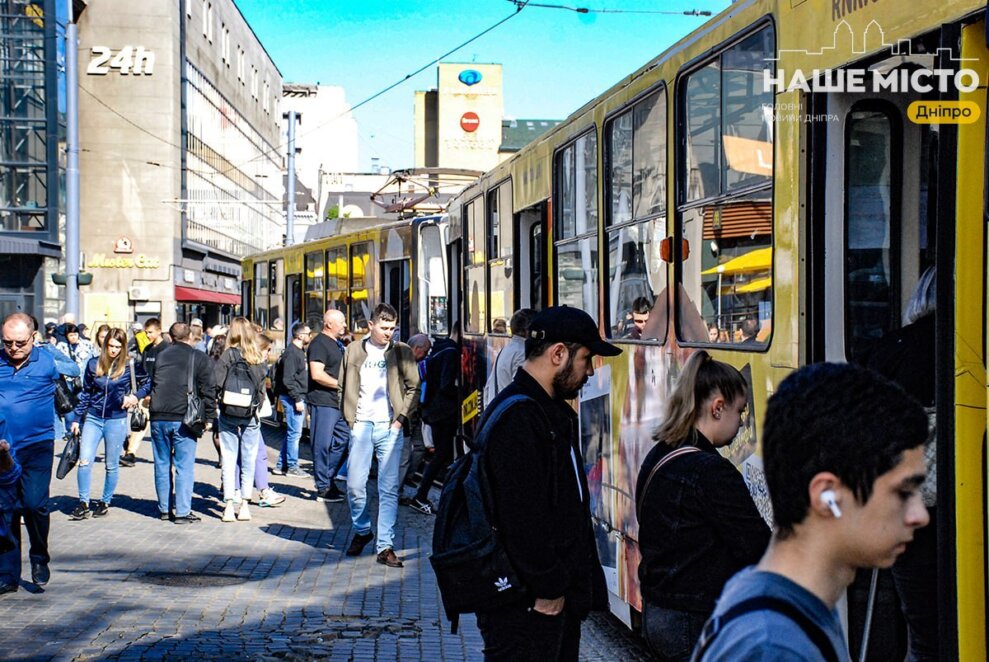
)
(502, 584)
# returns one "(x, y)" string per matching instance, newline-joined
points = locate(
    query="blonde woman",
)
(698, 525)
(106, 396)
(240, 374)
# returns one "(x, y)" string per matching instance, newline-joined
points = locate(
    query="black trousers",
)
(523, 635)
(444, 433)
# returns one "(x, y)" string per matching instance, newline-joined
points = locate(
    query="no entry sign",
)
(469, 122)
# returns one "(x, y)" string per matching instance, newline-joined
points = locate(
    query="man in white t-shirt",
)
(380, 392)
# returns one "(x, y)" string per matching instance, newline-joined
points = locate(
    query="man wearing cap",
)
(540, 494)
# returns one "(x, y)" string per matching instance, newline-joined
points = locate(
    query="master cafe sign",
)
(123, 245)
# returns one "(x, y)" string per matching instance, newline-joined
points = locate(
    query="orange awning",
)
(196, 295)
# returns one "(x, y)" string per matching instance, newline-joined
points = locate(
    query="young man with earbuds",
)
(843, 450)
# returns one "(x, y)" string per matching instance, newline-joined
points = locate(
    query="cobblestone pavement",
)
(132, 587)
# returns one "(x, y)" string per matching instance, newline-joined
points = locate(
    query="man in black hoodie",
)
(291, 386)
(540, 494)
(172, 442)
(441, 410)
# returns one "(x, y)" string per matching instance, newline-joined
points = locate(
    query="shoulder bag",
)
(669, 457)
(65, 399)
(138, 417)
(195, 418)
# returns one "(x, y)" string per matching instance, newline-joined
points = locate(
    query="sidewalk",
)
(279, 587)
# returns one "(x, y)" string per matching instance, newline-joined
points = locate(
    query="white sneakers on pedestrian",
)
(229, 514)
(244, 515)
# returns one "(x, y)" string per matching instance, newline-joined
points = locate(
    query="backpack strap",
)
(666, 459)
(716, 625)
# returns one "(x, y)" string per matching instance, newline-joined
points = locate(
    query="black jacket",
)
(906, 356)
(441, 400)
(292, 374)
(698, 527)
(170, 382)
(541, 499)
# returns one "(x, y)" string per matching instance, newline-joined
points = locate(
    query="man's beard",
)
(566, 384)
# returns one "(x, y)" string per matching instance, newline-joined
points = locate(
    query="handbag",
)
(138, 417)
(264, 409)
(65, 398)
(194, 418)
(70, 455)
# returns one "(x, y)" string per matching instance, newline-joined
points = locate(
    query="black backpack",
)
(240, 389)
(472, 568)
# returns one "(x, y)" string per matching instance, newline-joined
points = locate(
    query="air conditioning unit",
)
(138, 293)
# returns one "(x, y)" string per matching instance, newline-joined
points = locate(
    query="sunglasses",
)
(16, 343)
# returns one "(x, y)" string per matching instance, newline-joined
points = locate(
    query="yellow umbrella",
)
(761, 259)
(757, 285)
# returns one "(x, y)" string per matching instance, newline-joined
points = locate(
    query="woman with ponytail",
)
(698, 525)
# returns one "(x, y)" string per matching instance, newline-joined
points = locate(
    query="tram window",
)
(314, 301)
(362, 300)
(871, 251)
(261, 276)
(475, 317)
(277, 290)
(729, 120)
(637, 276)
(475, 283)
(336, 278)
(502, 290)
(432, 281)
(576, 241)
(537, 253)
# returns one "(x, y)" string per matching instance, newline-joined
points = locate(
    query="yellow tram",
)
(769, 188)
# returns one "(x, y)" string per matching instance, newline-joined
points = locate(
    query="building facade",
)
(30, 173)
(181, 163)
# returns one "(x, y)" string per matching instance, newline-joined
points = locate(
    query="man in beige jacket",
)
(380, 391)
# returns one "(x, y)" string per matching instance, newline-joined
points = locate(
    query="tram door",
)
(395, 291)
(532, 257)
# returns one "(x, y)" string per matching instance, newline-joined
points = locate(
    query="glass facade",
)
(234, 180)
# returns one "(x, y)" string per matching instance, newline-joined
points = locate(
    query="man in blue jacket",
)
(27, 387)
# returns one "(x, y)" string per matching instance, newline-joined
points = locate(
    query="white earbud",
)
(830, 499)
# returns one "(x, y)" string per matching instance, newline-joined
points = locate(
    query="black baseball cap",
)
(566, 324)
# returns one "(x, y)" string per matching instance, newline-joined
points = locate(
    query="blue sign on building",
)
(470, 77)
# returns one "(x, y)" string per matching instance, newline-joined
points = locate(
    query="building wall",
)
(174, 194)
(130, 163)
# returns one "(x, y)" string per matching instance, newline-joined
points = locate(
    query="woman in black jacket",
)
(698, 525)
(106, 396)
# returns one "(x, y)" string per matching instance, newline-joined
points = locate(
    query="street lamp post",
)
(72, 247)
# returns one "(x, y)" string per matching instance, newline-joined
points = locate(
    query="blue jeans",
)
(173, 443)
(289, 456)
(113, 432)
(36, 475)
(368, 440)
(239, 437)
(671, 633)
(330, 443)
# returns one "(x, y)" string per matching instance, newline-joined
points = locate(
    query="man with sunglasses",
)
(27, 402)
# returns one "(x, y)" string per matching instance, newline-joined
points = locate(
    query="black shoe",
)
(100, 509)
(330, 495)
(165, 517)
(40, 574)
(128, 460)
(387, 557)
(8, 588)
(81, 512)
(424, 507)
(358, 543)
(191, 518)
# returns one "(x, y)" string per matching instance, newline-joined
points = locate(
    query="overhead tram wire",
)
(519, 6)
(584, 10)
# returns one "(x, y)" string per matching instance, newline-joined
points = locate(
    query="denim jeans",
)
(330, 442)
(238, 437)
(173, 444)
(368, 440)
(289, 456)
(36, 475)
(671, 633)
(113, 432)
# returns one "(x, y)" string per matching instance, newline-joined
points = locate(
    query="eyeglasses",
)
(16, 343)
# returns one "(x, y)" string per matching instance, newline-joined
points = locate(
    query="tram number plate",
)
(470, 406)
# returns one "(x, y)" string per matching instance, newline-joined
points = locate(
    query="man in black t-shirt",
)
(327, 428)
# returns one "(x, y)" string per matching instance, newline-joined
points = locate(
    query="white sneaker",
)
(245, 512)
(228, 512)
(269, 498)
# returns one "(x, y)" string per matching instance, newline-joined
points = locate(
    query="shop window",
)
(637, 275)
(725, 215)
(575, 181)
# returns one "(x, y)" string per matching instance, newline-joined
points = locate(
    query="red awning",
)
(205, 296)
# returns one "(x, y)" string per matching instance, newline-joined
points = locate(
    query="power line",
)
(584, 10)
